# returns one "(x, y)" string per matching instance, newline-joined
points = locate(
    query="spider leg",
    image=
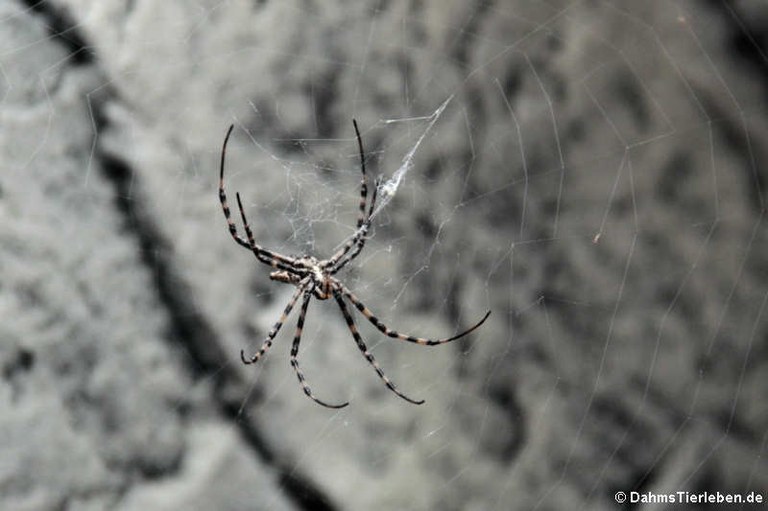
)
(363, 182)
(363, 220)
(295, 353)
(262, 254)
(274, 260)
(396, 335)
(338, 261)
(276, 328)
(367, 354)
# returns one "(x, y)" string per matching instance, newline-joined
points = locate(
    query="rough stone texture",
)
(597, 181)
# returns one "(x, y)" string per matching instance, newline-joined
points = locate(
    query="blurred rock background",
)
(597, 181)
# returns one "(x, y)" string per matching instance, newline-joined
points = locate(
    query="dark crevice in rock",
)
(299, 489)
(188, 324)
(63, 29)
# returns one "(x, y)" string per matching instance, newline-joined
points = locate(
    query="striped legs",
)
(302, 289)
(367, 354)
(339, 261)
(396, 335)
(266, 256)
(295, 353)
(363, 183)
(262, 254)
(315, 278)
(363, 220)
(272, 333)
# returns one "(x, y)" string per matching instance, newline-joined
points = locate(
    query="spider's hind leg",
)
(404, 337)
(367, 354)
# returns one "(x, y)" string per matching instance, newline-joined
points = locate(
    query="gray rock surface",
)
(597, 181)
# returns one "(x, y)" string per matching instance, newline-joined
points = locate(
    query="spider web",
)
(591, 172)
(388, 189)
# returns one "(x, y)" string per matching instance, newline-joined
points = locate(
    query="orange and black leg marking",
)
(275, 329)
(403, 337)
(367, 354)
(295, 354)
(338, 261)
(364, 182)
(358, 240)
(263, 255)
(223, 195)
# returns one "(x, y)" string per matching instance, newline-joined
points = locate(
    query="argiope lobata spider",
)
(316, 278)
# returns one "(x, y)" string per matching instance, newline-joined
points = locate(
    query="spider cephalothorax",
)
(321, 282)
(313, 277)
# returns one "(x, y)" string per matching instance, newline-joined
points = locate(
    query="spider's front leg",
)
(263, 255)
(364, 182)
(342, 256)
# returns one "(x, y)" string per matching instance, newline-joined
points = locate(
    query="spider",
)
(313, 277)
